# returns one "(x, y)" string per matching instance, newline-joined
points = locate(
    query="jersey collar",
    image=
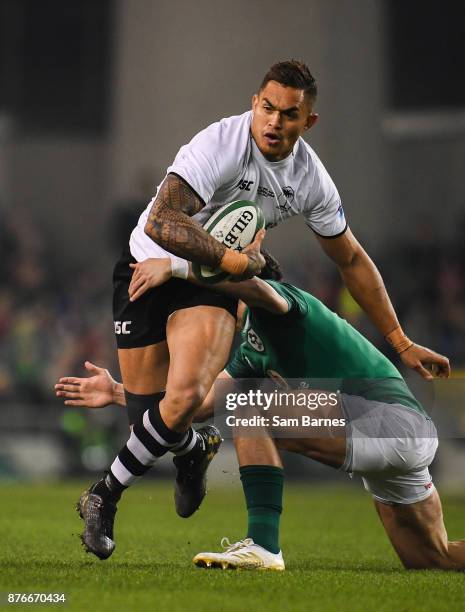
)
(283, 163)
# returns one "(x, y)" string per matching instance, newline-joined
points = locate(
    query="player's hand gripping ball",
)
(235, 225)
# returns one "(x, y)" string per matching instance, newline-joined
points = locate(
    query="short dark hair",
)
(272, 269)
(292, 73)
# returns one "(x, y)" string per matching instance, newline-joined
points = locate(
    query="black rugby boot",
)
(191, 477)
(98, 513)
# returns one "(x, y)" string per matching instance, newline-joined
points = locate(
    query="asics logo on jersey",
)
(254, 341)
(244, 184)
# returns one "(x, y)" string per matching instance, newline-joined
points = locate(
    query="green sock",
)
(263, 490)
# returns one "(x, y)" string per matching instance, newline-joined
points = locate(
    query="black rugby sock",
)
(150, 439)
(137, 404)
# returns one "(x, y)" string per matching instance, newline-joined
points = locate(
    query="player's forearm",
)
(182, 236)
(254, 292)
(170, 225)
(366, 286)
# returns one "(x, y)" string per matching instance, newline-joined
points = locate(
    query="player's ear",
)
(312, 118)
(254, 101)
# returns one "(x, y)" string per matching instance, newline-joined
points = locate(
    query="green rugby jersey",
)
(311, 341)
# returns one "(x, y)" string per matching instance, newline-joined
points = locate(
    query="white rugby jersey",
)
(223, 164)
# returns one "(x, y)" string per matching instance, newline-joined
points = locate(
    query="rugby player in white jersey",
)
(387, 438)
(175, 340)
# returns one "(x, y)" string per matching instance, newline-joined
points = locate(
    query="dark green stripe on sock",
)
(263, 490)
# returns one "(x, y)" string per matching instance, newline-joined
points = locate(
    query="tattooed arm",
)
(170, 225)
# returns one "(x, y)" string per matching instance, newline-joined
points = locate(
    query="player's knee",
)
(184, 402)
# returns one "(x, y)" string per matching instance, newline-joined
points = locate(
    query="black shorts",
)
(143, 322)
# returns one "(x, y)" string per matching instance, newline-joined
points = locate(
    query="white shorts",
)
(391, 447)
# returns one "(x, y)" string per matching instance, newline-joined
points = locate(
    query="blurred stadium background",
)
(96, 97)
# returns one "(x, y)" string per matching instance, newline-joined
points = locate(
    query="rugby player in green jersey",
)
(388, 438)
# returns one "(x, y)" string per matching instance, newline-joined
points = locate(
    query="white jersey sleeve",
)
(323, 211)
(214, 157)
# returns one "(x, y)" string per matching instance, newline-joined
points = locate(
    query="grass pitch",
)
(336, 552)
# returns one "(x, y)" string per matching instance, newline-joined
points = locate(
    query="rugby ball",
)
(235, 225)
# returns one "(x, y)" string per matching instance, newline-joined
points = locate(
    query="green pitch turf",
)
(337, 555)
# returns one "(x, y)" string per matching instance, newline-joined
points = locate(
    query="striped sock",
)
(137, 404)
(149, 441)
(186, 447)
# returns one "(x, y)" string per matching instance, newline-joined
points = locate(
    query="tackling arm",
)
(101, 390)
(97, 391)
(254, 292)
